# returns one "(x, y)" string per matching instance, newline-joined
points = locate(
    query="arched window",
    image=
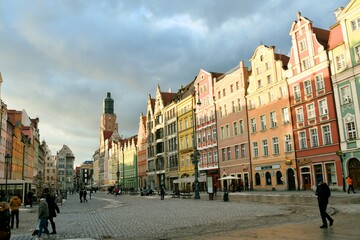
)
(279, 179)
(257, 179)
(268, 178)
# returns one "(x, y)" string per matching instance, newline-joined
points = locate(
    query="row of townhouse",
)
(284, 123)
(26, 162)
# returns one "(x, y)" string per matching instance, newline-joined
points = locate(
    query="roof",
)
(336, 37)
(322, 36)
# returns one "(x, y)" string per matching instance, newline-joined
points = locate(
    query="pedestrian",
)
(84, 195)
(29, 198)
(53, 209)
(215, 189)
(15, 204)
(323, 193)
(43, 215)
(350, 184)
(116, 191)
(81, 195)
(5, 232)
(162, 192)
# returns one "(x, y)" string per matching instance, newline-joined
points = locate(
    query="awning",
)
(229, 178)
(190, 179)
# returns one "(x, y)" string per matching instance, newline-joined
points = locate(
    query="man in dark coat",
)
(53, 209)
(323, 193)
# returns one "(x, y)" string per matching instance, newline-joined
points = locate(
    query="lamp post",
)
(7, 161)
(196, 154)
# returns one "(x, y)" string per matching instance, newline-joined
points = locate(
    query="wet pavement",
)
(247, 215)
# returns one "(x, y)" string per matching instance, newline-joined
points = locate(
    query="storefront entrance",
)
(354, 172)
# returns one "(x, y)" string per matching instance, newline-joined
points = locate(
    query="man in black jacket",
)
(323, 194)
(53, 209)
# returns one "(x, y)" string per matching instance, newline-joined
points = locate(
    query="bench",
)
(186, 194)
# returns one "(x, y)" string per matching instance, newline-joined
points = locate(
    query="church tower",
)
(108, 118)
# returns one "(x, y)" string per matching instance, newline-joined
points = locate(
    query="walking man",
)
(162, 192)
(43, 215)
(81, 195)
(15, 204)
(323, 193)
(350, 184)
(53, 209)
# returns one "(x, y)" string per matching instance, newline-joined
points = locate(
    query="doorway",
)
(354, 172)
(291, 179)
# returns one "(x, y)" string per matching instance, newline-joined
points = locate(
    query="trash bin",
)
(226, 196)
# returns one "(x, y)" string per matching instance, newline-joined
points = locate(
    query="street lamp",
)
(7, 161)
(195, 156)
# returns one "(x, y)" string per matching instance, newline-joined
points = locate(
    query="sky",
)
(59, 58)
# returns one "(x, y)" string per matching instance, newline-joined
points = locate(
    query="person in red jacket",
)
(350, 184)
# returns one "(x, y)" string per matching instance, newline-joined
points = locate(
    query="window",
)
(228, 153)
(227, 131)
(279, 178)
(209, 157)
(253, 125)
(302, 45)
(271, 96)
(310, 110)
(357, 53)
(340, 62)
(241, 123)
(326, 134)
(269, 80)
(224, 92)
(237, 151)
(318, 172)
(255, 149)
(305, 64)
(302, 140)
(265, 147)
(220, 111)
(314, 137)
(285, 115)
(345, 94)
(231, 88)
(251, 104)
(283, 91)
(297, 94)
(299, 115)
(239, 104)
(214, 133)
(351, 131)
(263, 122)
(209, 136)
(330, 174)
(355, 24)
(275, 142)
(307, 86)
(268, 178)
(223, 154)
(323, 108)
(222, 133)
(259, 83)
(319, 79)
(215, 156)
(204, 158)
(225, 110)
(233, 107)
(236, 132)
(288, 145)
(273, 119)
(267, 65)
(237, 85)
(261, 100)
(243, 151)
(219, 94)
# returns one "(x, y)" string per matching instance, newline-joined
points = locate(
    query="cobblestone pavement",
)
(147, 217)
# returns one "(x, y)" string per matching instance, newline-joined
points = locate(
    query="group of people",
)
(82, 195)
(48, 209)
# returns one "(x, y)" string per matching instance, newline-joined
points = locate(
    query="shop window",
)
(330, 174)
(257, 179)
(268, 178)
(279, 179)
(318, 173)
